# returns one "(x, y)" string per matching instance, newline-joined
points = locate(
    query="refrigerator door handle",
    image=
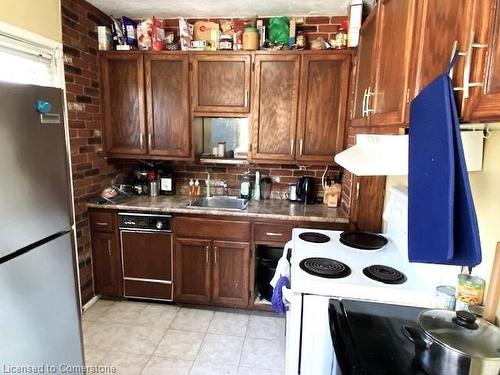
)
(50, 118)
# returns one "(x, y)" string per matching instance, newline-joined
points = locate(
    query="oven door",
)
(293, 328)
(317, 354)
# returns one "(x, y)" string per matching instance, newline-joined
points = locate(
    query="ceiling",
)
(220, 8)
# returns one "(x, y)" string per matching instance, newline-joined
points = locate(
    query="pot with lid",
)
(455, 343)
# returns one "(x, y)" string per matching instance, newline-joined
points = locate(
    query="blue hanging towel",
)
(442, 223)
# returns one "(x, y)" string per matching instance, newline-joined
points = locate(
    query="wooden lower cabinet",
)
(212, 272)
(106, 260)
(105, 270)
(192, 270)
(230, 276)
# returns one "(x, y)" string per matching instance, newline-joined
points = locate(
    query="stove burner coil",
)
(325, 267)
(363, 240)
(314, 237)
(384, 274)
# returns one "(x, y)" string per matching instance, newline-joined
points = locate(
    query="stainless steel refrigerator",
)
(39, 304)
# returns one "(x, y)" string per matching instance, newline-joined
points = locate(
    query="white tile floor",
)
(150, 339)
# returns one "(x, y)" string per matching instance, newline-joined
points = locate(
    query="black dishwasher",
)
(146, 253)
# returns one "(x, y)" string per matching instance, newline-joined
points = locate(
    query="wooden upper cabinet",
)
(274, 106)
(231, 268)
(322, 105)
(364, 67)
(123, 101)
(439, 24)
(167, 98)
(221, 83)
(390, 95)
(192, 270)
(483, 103)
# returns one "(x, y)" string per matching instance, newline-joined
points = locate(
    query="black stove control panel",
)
(149, 222)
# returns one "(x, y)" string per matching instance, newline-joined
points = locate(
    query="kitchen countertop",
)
(276, 209)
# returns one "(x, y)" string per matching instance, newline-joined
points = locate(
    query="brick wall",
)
(90, 170)
(313, 27)
(286, 174)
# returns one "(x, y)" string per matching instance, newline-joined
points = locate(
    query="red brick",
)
(317, 20)
(338, 19)
(281, 172)
(74, 89)
(70, 33)
(76, 124)
(328, 28)
(82, 81)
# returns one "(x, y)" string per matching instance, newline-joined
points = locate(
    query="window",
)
(24, 61)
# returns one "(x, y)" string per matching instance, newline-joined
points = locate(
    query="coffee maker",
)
(305, 190)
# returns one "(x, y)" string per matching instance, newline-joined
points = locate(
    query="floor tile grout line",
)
(164, 333)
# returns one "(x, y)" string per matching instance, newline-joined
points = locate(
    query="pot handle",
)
(411, 333)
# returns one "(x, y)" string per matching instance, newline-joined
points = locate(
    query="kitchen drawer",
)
(266, 232)
(224, 230)
(102, 221)
(149, 290)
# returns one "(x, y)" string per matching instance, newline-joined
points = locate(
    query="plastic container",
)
(250, 39)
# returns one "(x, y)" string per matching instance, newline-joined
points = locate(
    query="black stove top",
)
(314, 237)
(325, 267)
(384, 274)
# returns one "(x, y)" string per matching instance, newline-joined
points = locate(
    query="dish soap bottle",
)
(245, 186)
(256, 191)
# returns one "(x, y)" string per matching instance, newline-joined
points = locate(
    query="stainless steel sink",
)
(220, 203)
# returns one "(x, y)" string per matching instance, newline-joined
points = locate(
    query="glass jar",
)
(225, 42)
(250, 39)
(300, 40)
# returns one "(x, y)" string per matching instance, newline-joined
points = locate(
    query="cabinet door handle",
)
(206, 254)
(141, 141)
(273, 234)
(246, 98)
(369, 94)
(363, 112)
(150, 141)
(109, 249)
(215, 254)
(468, 63)
(301, 146)
(292, 145)
(101, 224)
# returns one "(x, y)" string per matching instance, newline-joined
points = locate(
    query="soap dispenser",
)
(245, 186)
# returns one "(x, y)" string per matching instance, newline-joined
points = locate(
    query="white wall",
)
(39, 16)
(486, 192)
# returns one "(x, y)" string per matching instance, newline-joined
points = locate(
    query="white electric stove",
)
(309, 349)
(309, 346)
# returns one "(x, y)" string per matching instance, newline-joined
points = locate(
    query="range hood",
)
(387, 155)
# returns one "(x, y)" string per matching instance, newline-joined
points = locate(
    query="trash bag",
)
(278, 30)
